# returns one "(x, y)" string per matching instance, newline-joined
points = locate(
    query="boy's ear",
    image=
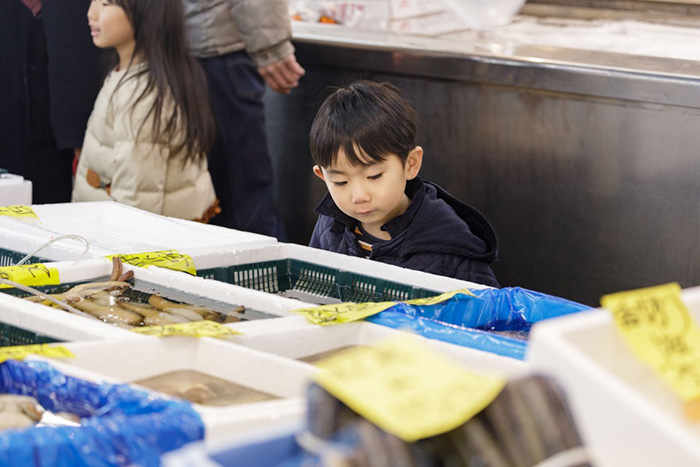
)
(414, 161)
(319, 172)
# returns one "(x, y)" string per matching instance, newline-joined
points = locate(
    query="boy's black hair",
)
(367, 120)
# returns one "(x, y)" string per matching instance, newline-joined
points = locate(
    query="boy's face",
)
(373, 193)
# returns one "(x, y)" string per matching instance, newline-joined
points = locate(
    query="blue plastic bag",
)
(466, 320)
(124, 425)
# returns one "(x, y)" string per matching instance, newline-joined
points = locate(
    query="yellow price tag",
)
(19, 212)
(29, 274)
(194, 329)
(327, 315)
(439, 298)
(20, 352)
(658, 328)
(168, 259)
(406, 388)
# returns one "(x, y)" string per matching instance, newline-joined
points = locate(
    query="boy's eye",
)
(375, 177)
(339, 183)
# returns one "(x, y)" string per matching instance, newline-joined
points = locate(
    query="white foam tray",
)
(69, 327)
(206, 258)
(296, 338)
(128, 360)
(113, 228)
(626, 414)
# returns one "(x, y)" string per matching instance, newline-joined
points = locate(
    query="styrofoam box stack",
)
(129, 360)
(294, 338)
(66, 326)
(113, 228)
(625, 412)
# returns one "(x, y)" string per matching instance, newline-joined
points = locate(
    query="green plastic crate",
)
(12, 335)
(10, 258)
(290, 274)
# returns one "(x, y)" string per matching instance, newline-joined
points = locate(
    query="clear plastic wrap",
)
(121, 425)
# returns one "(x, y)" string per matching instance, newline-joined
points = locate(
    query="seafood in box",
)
(202, 388)
(117, 301)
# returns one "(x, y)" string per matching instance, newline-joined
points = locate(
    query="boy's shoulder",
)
(442, 223)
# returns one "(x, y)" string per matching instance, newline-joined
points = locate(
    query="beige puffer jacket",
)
(218, 27)
(132, 169)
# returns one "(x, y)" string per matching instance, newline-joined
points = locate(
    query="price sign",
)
(327, 315)
(22, 351)
(406, 388)
(657, 326)
(168, 259)
(29, 274)
(439, 298)
(194, 329)
(19, 212)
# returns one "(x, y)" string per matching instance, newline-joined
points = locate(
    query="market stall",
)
(128, 338)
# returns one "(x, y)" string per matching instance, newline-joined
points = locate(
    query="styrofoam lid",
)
(113, 228)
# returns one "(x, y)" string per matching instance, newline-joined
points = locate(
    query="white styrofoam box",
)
(26, 236)
(624, 411)
(14, 189)
(296, 338)
(177, 286)
(406, 8)
(113, 228)
(207, 258)
(129, 360)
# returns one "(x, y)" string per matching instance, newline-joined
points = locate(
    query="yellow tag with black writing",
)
(19, 212)
(20, 352)
(327, 315)
(29, 274)
(407, 388)
(439, 298)
(194, 329)
(657, 326)
(168, 259)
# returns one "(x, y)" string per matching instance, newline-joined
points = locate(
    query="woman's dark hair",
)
(161, 42)
(366, 120)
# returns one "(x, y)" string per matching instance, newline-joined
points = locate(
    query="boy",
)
(363, 141)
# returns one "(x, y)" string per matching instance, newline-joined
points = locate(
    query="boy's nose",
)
(360, 195)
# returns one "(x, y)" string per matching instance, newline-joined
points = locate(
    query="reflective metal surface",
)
(586, 163)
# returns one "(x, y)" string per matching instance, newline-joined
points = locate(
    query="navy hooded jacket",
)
(437, 234)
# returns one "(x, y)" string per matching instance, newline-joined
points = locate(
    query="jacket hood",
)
(434, 222)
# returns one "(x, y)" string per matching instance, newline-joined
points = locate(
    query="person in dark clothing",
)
(363, 141)
(49, 78)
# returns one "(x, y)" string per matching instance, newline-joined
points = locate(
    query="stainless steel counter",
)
(585, 162)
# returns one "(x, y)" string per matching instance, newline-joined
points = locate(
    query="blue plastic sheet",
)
(466, 320)
(123, 425)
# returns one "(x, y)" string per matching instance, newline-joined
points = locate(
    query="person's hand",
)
(282, 75)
